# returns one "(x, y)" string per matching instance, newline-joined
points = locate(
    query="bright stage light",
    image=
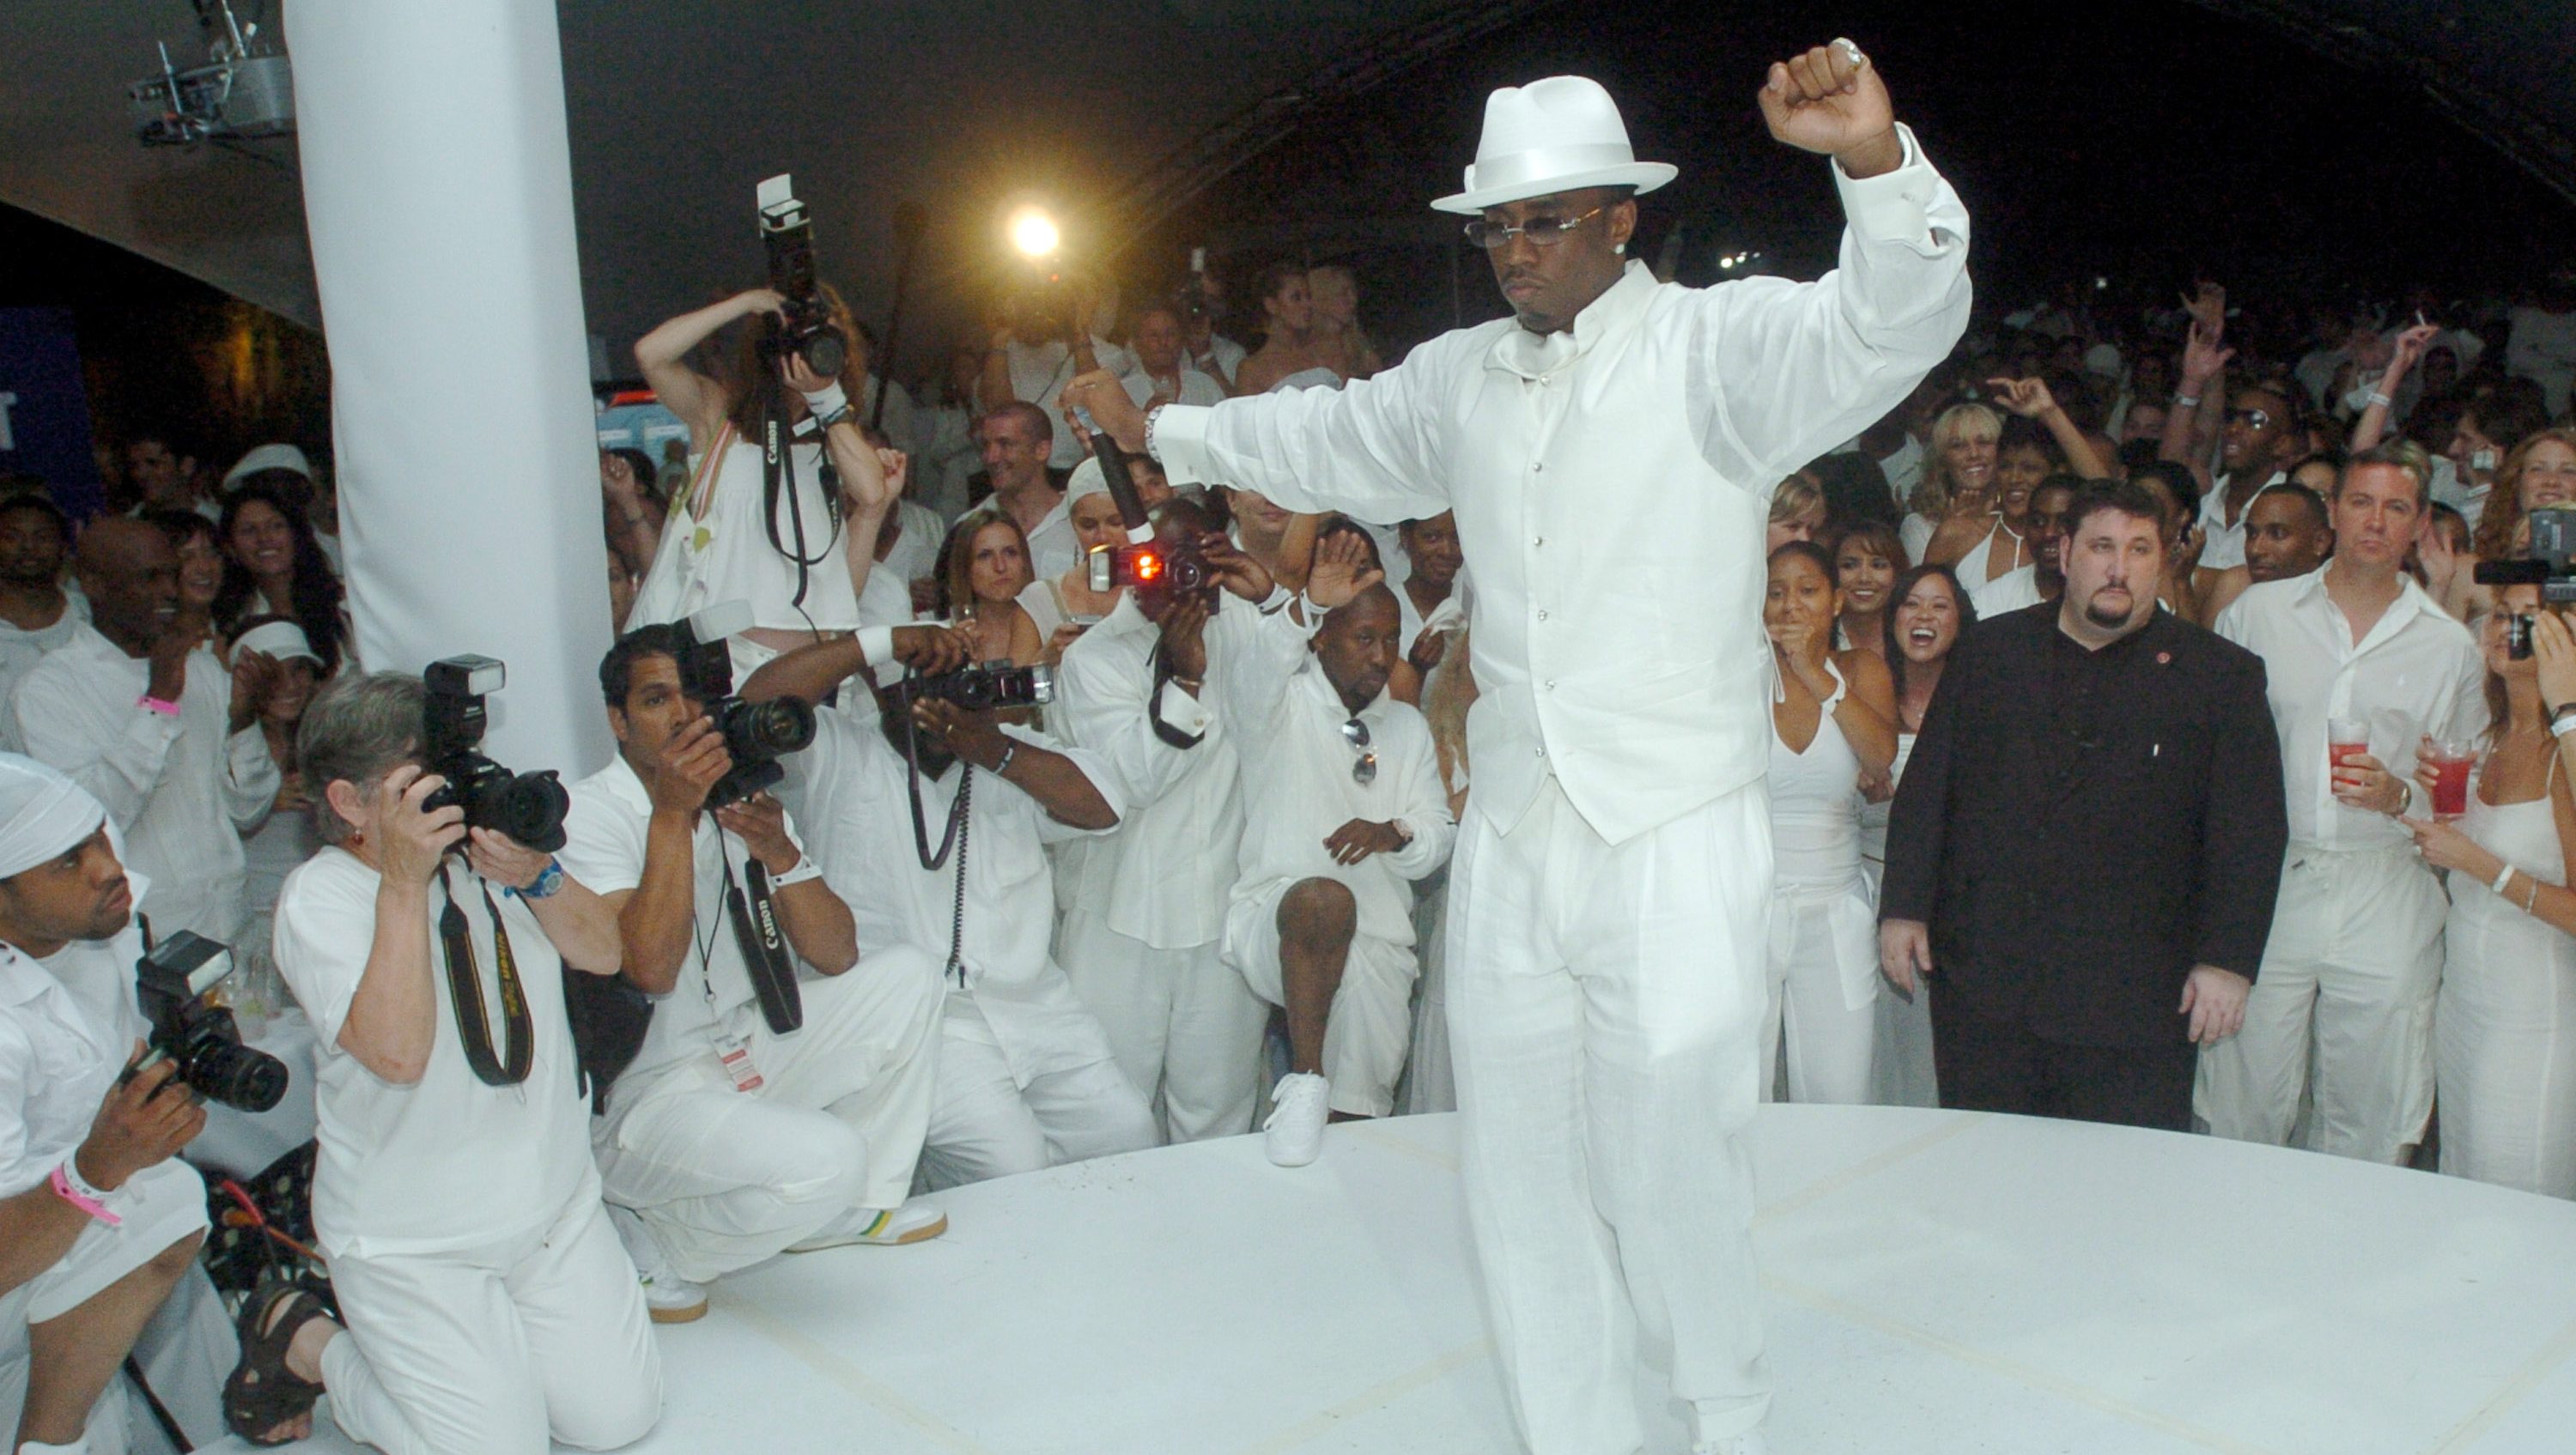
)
(1034, 233)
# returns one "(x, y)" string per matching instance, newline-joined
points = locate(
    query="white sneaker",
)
(1294, 1134)
(914, 1222)
(1748, 1443)
(668, 1298)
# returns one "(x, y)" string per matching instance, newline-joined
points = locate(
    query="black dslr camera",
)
(2553, 542)
(195, 1036)
(756, 734)
(529, 807)
(979, 688)
(805, 330)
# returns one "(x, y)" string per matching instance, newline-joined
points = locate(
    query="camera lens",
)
(236, 1075)
(759, 730)
(824, 352)
(529, 807)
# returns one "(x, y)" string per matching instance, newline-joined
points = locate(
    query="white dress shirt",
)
(19, 648)
(1619, 473)
(67, 1023)
(1298, 789)
(604, 848)
(2416, 672)
(1196, 388)
(179, 788)
(853, 793)
(1162, 877)
(2222, 543)
(446, 1162)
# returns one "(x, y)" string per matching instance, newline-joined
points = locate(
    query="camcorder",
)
(1154, 568)
(756, 734)
(2553, 540)
(197, 1037)
(529, 807)
(805, 329)
(979, 688)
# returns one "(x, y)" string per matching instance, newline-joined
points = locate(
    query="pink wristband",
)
(80, 1199)
(155, 704)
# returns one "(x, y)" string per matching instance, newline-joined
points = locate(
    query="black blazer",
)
(2071, 886)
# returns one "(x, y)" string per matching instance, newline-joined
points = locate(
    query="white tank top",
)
(2524, 835)
(1815, 812)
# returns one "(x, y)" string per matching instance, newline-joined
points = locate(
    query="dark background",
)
(2146, 141)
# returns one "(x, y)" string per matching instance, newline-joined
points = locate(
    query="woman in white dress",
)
(1932, 609)
(1833, 718)
(2504, 1024)
(1958, 481)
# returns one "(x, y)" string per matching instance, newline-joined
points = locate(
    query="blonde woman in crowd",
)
(1957, 489)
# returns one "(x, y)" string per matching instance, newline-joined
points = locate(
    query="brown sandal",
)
(263, 1393)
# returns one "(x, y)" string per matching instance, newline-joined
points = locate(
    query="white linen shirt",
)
(67, 1023)
(851, 790)
(2416, 672)
(1039, 373)
(445, 1162)
(1298, 788)
(1162, 875)
(179, 788)
(1618, 473)
(20, 648)
(2222, 544)
(604, 844)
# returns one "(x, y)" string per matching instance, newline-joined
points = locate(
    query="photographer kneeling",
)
(729, 1139)
(98, 1220)
(489, 1305)
(908, 798)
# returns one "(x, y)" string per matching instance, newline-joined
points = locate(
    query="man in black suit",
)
(2089, 834)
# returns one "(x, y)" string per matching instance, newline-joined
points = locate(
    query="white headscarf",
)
(42, 814)
(1087, 480)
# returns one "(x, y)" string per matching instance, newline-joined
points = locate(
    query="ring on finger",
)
(1851, 52)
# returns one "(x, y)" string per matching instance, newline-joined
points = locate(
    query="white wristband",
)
(2380, 398)
(828, 401)
(2503, 877)
(2563, 726)
(2186, 401)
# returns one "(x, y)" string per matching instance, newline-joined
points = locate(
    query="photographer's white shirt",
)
(181, 790)
(604, 842)
(853, 792)
(1196, 388)
(445, 1163)
(67, 1024)
(1039, 373)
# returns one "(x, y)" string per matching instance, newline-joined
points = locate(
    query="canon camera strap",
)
(764, 947)
(465, 988)
(777, 470)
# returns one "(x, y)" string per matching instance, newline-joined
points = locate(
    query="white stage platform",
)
(1936, 1282)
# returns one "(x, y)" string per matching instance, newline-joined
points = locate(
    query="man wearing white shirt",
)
(158, 731)
(2355, 956)
(731, 1137)
(1015, 440)
(1162, 375)
(1031, 362)
(2260, 441)
(1610, 453)
(98, 1220)
(1158, 690)
(1025, 1078)
(1344, 811)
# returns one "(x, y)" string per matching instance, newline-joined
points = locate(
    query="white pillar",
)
(438, 190)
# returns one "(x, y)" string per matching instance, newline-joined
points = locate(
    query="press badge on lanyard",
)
(735, 1052)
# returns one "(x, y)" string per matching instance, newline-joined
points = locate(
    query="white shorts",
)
(1371, 1022)
(159, 1205)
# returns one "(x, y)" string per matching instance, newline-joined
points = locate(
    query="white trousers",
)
(1181, 1024)
(725, 1179)
(1369, 1025)
(1605, 1011)
(494, 1350)
(1810, 1028)
(983, 1123)
(2504, 1048)
(2343, 1010)
(1429, 1084)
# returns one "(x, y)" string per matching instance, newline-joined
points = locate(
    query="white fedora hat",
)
(1549, 136)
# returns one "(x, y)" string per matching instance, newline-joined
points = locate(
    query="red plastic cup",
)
(2450, 767)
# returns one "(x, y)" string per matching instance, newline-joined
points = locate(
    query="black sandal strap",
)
(262, 1392)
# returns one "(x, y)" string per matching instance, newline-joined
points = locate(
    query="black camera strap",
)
(777, 474)
(754, 914)
(465, 988)
(953, 840)
(1154, 706)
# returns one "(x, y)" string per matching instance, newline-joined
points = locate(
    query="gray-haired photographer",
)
(488, 1304)
(758, 1115)
(99, 1220)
